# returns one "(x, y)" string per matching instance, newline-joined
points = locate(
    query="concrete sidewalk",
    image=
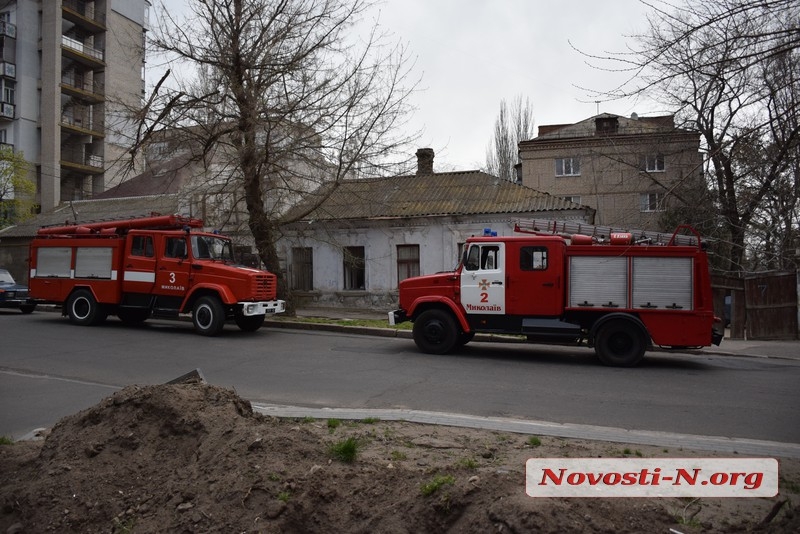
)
(729, 347)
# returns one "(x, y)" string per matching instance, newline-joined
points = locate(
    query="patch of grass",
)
(369, 323)
(5, 440)
(791, 486)
(371, 420)
(626, 451)
(638, 453)
(534, 441)
(275, 477)
(469, 463)
(307, 419)
(284, 496)
(687, 515)
(398, 455)
(438, 481)
(345, 450)
(123, 526)
(333, 424)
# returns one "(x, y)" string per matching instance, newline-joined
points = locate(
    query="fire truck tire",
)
(435, 332)
(620, 343)
(83, 310)
(208, 316)
(27, 308)
(465, 337)
(249, 323)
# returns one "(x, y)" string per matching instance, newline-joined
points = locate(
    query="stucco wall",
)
(438, 239)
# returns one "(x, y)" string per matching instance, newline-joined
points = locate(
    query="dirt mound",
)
(195, 458)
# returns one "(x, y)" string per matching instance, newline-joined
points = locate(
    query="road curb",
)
(743, 446)
(494, 338)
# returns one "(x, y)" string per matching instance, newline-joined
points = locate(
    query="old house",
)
(630, 170)
(369, 234)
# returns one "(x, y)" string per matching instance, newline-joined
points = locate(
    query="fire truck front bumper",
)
(270, 307)
(397, 317)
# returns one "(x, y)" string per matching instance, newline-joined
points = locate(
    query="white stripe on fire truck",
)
(138, 276)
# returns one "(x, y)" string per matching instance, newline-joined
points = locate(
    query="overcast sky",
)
(470, 54)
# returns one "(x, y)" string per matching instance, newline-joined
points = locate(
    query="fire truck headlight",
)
(251, 308)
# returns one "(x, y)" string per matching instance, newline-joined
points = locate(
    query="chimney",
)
(424, 161)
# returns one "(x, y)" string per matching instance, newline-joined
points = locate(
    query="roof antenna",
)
(74, 213)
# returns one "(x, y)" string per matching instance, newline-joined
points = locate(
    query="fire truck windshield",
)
(212, 248)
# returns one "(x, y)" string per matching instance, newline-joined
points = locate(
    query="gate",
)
(771, 302)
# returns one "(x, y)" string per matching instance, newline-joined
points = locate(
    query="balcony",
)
(8, 70)
(8, 30)
(82, 53)
(77, 161)
(7, 111)
(83, 88)
(84, 15)
(82, 124)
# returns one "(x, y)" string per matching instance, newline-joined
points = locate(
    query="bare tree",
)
(511, 126)
(277, 99)
(729, 68)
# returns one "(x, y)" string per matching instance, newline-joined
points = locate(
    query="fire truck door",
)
(140, 265)
(172, 273)
(534, 279)
(483, 279)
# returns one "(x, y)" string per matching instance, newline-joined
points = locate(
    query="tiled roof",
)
(451, 193)
(95, 210)
(161, 178)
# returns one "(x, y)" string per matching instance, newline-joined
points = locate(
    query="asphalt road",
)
(50, 368)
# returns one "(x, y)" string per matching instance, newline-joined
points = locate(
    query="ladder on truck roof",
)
(603, 233)
(154, 221)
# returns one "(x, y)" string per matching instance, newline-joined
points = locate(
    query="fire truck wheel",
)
(620, 343)
(82, 308)
(465, 337)
(208, 316)
(435, 332)
(249, 323)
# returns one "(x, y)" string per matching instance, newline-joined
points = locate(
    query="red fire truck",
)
(157, 266)
(620, 292)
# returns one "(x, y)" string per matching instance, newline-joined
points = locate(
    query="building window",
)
(302, 269)
(652, 202)
(653, 163)
(407, 261)
(573, 198)
(568, 167)
(533, 258)
(354, 268)
(9, 88)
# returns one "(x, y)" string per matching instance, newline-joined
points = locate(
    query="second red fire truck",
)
(621, 292)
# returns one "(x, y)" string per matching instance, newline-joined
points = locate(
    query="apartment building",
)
(68, 70)
(629, 169)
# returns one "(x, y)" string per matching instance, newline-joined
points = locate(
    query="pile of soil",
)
(193, 457)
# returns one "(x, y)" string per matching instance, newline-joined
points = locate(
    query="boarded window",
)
(407, 261)
(302, 269)
(354, 268)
